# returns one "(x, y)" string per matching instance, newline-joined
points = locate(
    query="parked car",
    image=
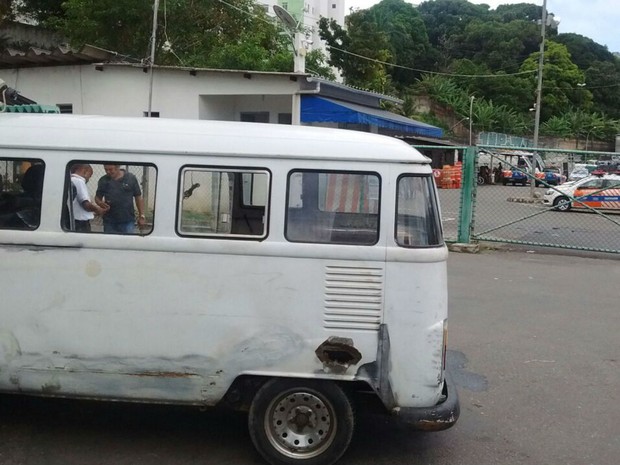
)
(580, 171)
(600, 192)
(551, 176)
(515, 176)
(607, 167)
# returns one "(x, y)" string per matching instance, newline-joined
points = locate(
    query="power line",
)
(431, 72)
(580, 88)
(248, 13)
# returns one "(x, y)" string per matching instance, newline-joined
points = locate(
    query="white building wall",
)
(124, 91)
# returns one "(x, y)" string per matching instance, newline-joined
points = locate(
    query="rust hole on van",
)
(338, 353)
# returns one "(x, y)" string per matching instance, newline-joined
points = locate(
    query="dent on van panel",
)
(195, 379)
(264, 349)
(435, 341)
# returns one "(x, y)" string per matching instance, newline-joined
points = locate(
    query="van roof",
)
(189, 137)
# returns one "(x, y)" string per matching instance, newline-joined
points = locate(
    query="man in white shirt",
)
(83, 209)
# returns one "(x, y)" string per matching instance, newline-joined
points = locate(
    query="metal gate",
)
(543, 197)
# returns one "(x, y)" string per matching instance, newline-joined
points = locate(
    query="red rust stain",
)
(165, 374)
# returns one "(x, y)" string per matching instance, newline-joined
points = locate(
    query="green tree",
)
(190, 32)
(317, 64)
(5, 9)
(38, 11)
(584, 51)
(518, 11)
(498, 46)
(556, 126)
(602, 81)
(408, 40)
(444, 90)
(560, 79)
(359, 52)
(448, 18)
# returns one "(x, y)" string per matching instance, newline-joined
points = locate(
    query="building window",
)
(285, 118)
(333, 5)
(154, 114)
(255, 116)
(65, 107)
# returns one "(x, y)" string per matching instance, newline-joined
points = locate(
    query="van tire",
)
(562, 204)
(295, 421)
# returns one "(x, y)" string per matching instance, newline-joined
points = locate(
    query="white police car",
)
(600, 192)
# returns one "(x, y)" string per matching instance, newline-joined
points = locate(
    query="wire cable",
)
(167, 41)
(432, 72)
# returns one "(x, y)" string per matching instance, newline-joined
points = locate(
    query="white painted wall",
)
(121, 90)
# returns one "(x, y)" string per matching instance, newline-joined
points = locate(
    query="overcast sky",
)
(596, 19)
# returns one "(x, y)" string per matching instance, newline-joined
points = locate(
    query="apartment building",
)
(308, 13)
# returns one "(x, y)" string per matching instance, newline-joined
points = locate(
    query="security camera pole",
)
(299, 49)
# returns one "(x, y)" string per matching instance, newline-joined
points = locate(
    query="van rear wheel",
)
(293, 421)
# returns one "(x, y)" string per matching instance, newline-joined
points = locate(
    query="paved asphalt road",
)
(534, 349)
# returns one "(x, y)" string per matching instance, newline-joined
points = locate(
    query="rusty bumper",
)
(439, 417)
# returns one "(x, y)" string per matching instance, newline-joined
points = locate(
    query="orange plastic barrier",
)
(450, 178)
(458, 172)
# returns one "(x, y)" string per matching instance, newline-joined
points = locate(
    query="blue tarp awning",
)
(325, 110)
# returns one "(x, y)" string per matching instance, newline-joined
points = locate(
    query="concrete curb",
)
(464, 248)
(523, 200)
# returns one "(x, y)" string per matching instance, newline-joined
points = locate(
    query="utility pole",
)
(153, 40)
(471, 116)
(541, 64)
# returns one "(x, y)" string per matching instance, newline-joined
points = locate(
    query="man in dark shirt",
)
(118, 190)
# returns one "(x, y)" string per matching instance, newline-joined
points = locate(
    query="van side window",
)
(109, 197)
(333, 207)
(21, 190)
(417, 216)
(223, 202)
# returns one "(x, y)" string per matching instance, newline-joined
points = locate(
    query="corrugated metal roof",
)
(11, 57)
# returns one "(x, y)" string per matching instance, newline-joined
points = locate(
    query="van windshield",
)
(417, 216)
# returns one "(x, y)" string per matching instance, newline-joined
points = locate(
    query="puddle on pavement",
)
(456, 362)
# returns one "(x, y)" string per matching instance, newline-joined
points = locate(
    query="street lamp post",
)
(457, 123)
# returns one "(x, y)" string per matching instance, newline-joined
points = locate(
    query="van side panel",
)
(160, 326)
(415, 311)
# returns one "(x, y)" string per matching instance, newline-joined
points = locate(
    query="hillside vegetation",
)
(448, 50)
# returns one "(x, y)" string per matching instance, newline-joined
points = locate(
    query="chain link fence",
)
(550, 197)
